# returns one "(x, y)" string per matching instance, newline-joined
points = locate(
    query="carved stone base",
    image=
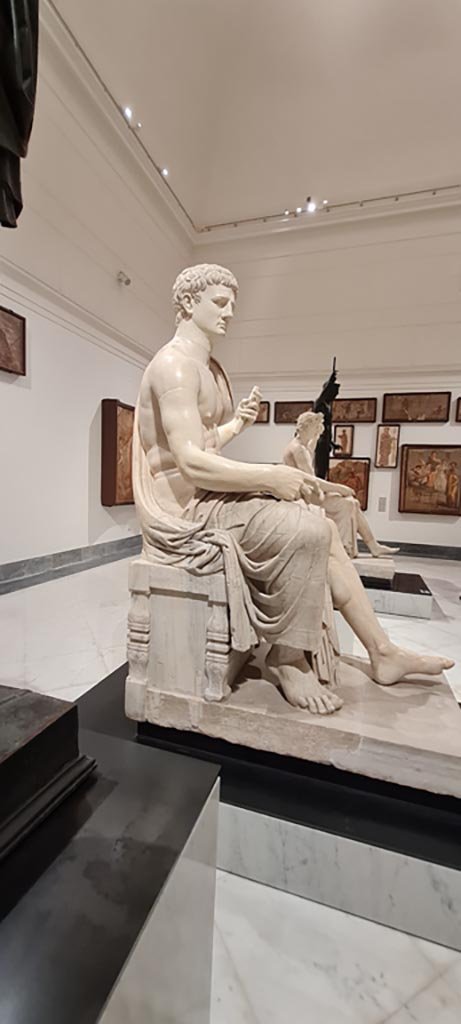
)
(408, 734)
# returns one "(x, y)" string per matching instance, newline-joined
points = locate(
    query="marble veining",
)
(400, 891)
(279, 958)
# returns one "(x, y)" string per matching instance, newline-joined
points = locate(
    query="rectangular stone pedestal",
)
(409, 734)
(376, 568)
(406, 594)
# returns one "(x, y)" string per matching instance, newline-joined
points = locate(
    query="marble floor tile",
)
(282, 958)
(64, 636)
(439, 1003)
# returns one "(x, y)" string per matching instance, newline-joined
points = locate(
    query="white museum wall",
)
(384, 296)
(91, 209)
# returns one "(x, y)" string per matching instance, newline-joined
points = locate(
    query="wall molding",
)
(447, 377)
(68, 58)
(31, 571)
(35, 295)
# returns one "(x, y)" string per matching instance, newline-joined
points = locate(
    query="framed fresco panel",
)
(354, 473)
(288, 412)
(458, 411)
(417, 407)
(344, 439)
(430, 479)
(387, 446)
(354, 410)
(116, 452)
(12, 342)
(264, 413)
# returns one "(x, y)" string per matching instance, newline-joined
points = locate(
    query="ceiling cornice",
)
(66, 57)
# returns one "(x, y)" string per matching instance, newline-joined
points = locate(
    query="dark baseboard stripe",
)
(446, 551)
(31, 571)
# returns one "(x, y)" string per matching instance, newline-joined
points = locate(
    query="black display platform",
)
(397, 818)
(76, 892)
(401, 583)
(40, 762)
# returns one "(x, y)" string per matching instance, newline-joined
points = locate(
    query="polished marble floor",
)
(280, 959)
(64, 636)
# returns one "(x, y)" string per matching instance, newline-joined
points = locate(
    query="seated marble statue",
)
(201, 510)
(339, 501)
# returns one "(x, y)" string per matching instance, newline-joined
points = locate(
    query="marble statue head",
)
(309, 427)
(205, 294)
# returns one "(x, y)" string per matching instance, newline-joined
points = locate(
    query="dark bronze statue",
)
(18, 81)
(324, 404)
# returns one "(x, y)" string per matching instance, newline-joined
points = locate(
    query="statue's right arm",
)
(178, 394)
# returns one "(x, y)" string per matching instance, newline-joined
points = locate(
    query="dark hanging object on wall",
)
(324, 404)
(18, 83)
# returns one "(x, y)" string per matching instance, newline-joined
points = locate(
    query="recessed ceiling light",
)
(311, 205)
(128, 113)
(287, 213)
(138, 125)
(325, 202)
(299, 209)
(165, 172)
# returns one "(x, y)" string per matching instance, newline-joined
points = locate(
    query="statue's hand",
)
(247, 410)
(288, 483)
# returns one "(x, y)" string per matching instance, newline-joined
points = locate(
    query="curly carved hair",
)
(194, 280)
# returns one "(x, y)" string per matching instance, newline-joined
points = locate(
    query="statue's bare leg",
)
(298, 681)
(366, 533)
(389, 663)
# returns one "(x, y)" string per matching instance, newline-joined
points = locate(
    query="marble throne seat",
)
(179, 637)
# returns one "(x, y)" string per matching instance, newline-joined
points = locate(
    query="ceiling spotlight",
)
(165, 172)
(299, 209)
(128, 113)
(325, 202)
(311, 205)
(138, 125)
(287, 213)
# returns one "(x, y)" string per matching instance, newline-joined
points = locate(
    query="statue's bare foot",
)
(392, 664)
(300, 686)
(381, 550)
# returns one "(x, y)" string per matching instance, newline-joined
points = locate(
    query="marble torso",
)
(215, 407)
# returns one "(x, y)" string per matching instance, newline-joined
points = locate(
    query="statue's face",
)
(214, 310)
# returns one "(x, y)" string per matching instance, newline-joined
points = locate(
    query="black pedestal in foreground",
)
(75, 894)
(40, 763)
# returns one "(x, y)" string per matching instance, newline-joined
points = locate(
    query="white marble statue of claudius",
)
(340, 503)
(188, 494)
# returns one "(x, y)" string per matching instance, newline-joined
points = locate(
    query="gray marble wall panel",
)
(167, 979)
(392, 889)
(30, 571)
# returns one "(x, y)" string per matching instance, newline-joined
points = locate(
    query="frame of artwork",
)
(288, 412)
(354, 410)
(117, 422)
(343, 435)
(417, 407)
(387, 446)
(458, 411)
(12, 342)
(264, 413)
(430, 479)
(354, 473)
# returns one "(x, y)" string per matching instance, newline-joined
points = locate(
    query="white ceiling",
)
(254, 104)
